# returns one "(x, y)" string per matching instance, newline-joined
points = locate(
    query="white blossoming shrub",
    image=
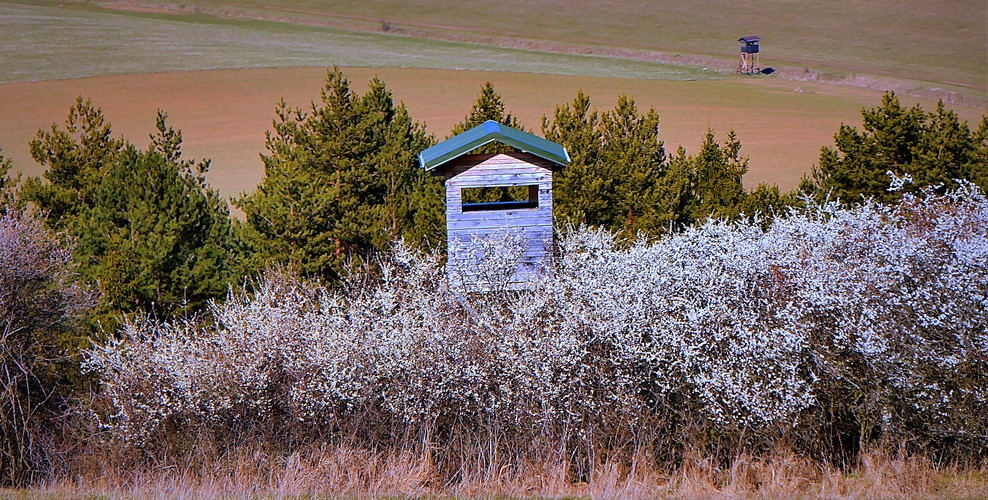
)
(874, 312)
(690, 312)
(403, 356)
(894, 301)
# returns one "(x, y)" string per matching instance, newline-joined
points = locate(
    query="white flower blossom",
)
(748, 328)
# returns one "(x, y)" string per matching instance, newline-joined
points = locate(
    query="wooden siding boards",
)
(527, 222)
(532, 227)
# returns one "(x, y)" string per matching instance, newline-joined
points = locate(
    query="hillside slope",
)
(931, 46)
(47, 40)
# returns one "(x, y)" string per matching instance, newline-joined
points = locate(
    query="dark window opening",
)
(499, 198)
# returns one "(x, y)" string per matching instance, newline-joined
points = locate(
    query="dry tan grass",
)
(346, 471)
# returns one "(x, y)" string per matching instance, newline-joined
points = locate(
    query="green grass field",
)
(918, 39)
(941, 45)
(45, 41)
(927, 47)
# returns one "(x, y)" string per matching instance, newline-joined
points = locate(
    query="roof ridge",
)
(487, 132)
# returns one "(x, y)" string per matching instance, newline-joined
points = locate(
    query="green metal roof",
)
(486, 132)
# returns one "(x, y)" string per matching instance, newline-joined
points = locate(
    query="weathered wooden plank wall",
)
(531, 226)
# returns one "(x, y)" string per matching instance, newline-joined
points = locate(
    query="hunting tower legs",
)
(748, 64)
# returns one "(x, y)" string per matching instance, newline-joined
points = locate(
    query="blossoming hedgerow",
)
(877, 311)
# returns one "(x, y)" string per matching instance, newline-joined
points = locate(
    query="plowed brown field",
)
(224, 114)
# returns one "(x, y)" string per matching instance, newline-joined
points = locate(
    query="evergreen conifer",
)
(341, 182)
(7, 184)
(931, 148)
(74, 158)
(634, 157)
(490, 106)
(148, 228)
(718, 174)
(617, 169)
(580, 191)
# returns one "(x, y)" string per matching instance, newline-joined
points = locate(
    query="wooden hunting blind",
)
(749, 55)
(527, 220)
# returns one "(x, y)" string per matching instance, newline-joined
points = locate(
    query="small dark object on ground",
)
(768, 71)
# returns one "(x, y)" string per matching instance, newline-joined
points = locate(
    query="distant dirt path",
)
(378, 20)
(135, 8)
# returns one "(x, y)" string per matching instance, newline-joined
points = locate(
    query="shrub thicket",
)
(835, 327)
(39, 349)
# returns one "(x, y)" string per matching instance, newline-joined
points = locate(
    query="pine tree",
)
(157, 238)
(7, 184)
(634, 158)
(931, 148)
(620, 177)
(341, 182)
(766, 202)
(676, 193)
(977, 171)
(946, 151)
(148, 229)
(74, 158)
(490, 106)
(414, 205)
(618, 168)
(580, 189)
(718, 174)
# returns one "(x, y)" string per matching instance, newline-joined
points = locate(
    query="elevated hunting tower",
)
(526, 219)
(749, 56)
